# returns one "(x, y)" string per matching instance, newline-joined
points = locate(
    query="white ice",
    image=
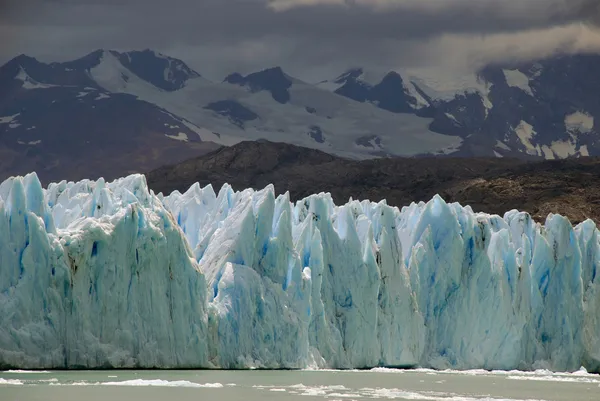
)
(96, 274)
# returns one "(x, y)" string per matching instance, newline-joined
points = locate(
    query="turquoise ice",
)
(96, 274)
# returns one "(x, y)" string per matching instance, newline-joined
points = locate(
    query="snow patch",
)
(9, 119)
(516, 79)
(113, 76)
(102, 96)
(579, 122)
(548, 153)
(450, 149)
(564, 149)
(329, 85)
(525, 132)
(208, 135)
(502, 145)
(179, 137)
(487, 104)
(372, 77)
(453, 119)
(411, 90)
(444, 84)
(30, 142)
(29, 83)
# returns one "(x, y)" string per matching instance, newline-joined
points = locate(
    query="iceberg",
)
(98, 274)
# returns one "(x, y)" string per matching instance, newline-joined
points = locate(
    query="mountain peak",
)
(164, 72)
(271, 70)
(392, 75)
(24, 67)
(273, 80)
(236, 79)
(271, 73)
(88, 61)
(23, 58)
(351, 74)
(21, 61)
(148, 51)
(10, 70)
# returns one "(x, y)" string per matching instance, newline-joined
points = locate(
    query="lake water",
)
(296, 385)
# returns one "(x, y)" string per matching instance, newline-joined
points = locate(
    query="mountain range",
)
(110, 113)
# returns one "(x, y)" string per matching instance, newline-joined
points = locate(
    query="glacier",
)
(98, 274)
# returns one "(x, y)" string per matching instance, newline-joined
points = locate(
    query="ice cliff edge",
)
(96, 274)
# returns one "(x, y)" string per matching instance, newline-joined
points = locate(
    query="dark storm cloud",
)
(245, 33)
(233, 20)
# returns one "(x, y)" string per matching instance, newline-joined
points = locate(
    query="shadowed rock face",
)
(316, 133)
(551, 90)
(389, 94)
(72, 73)
(59, 135)
(76, 133)
(569, 187)
(234, 111)
(272, 80)
(163, 72)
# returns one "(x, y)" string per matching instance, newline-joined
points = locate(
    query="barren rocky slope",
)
(569, 187)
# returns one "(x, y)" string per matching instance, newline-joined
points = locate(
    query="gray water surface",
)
(296, 385)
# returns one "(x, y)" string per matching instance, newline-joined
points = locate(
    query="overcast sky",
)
(308, 38)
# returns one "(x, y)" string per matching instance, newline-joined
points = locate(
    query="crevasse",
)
(96, 274)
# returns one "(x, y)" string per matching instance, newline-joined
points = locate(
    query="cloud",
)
(432, 17)
(220, 36)
(472, 51)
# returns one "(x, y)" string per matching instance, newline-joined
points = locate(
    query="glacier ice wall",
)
(96, 274)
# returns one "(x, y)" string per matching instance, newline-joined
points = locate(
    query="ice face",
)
(96, 274)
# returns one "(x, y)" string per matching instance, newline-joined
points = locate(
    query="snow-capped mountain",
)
(65, 118)
(544, 109)
(140, 103)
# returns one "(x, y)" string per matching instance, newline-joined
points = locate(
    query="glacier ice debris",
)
(96, 274)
